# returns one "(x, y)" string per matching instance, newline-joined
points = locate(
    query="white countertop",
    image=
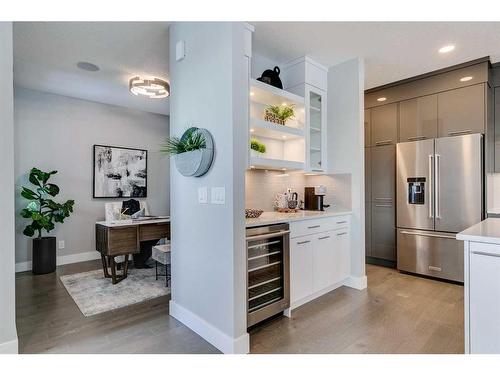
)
(124, 223)
(274, 217)
(494, 210)
(487, 231)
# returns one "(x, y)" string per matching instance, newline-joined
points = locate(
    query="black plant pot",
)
(44, 255)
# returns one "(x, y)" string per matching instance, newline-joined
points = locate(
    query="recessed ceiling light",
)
(89, 67)
(154, 88)
(251, 93)
(465, 79)
(252, 130)
(382, 99)
(283, 136)
(446, 49)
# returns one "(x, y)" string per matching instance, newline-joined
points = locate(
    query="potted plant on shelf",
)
(279, 114)
(257, 148)
(193, 151)
(43, 212)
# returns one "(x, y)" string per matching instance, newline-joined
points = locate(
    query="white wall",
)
(8, 335)
(210, 90)
(346, 133)
(54, 132)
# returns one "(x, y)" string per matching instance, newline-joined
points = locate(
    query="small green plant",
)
(257, 146)
(282, 112)
(190, 141)
(42, 210)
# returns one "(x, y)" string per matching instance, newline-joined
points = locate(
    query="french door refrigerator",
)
(439, 193)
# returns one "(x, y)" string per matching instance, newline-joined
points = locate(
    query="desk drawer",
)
(122, 241)
(312, 226)
(149, 232)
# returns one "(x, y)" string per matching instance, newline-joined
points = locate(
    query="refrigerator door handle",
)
(431, 161)
(437, 185)
(447, 236)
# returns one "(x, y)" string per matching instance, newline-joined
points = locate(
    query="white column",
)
(8, 334)
(210, 90)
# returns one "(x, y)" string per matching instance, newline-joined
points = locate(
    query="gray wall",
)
(58, 132)
(210, 90)
(8, 336)
(262, 186)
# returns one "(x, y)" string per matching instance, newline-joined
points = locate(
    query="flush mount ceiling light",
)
(89, 67)
(154, 88)
(465, 79)
(382, 99)
(446, 49)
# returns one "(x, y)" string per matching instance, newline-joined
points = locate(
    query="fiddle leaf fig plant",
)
(42, 209)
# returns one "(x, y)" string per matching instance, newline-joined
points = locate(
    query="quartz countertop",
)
(487, 231)
(273, 217)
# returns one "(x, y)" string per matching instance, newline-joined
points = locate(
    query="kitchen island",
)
(482, 286)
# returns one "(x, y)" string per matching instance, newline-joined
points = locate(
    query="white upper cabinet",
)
(307, 78)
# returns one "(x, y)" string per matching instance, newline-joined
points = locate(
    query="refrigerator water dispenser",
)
(416, 190)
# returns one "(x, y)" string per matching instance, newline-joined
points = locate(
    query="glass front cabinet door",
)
(316, 139)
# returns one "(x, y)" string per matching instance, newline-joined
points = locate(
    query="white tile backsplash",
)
(262, 186)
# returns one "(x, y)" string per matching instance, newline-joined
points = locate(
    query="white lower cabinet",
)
(484, 299)
(318, 262)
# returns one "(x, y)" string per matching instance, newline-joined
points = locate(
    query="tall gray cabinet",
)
(437, 105)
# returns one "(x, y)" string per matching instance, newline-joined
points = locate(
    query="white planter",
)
(196, 163)
(256, 154)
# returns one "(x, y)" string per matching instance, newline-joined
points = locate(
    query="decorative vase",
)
(44, 255)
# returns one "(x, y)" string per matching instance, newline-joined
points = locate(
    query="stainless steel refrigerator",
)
(439, 193)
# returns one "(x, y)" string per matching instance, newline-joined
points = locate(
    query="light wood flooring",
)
(397, 314)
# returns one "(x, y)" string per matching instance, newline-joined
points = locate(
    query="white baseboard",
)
(9, 347)
(356, 282)
(63, 259)
(213, 335)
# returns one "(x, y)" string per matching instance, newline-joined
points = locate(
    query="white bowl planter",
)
(196, 163)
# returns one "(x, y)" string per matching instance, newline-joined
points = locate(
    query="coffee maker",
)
(314, 198)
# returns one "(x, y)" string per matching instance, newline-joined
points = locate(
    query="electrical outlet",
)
(218, 195)
(62, 244)
(203, 195)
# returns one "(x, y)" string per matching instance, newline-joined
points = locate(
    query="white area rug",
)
(94, 294)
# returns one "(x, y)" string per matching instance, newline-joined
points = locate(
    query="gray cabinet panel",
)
(368, 176)
(368, 229)
(367, 127)
(497, 129)
(384, 124)
(418, 118)
(383, 173)
(383, 234)
(461, 111)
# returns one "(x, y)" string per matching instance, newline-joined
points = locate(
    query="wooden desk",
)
(127, 238)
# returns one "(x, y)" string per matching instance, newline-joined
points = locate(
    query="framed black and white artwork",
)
(120, 172)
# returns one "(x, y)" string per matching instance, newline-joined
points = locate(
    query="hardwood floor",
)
(397, 314)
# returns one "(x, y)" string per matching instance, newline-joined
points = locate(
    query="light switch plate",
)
(218, 195)
(62, 244)
(203, 195)
(180, 50)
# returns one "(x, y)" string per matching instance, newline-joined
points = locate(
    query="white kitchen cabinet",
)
(301, 267)
(320, 262)
(316, 156)
(484, 298)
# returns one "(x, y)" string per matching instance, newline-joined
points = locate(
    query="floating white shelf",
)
(315, 149)
(270, 95)
(315, 109)
(313, 129)
(268, 129)
(264, 163)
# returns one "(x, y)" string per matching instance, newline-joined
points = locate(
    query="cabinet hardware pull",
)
(323, 238)
(341, 222)
(383, 199)
(303, 242)
(460, 132)
(381, 143)
(485, 254)
(383, 205)
(432, 268)
(280, 233)
(314, 226)
(417, 138)
(341, 234)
